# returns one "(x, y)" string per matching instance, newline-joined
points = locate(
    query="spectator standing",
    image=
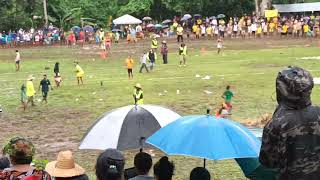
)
(200, 173)
(79, 73)
(129, 63)
(183, 54)
(164, 52)
(4, 163)
(179, 33)
(138, 94)
(152, 56)
(110, 165)
(143, 61)
(143, 164)
(163, 169)
(17, 60)
(290, 141)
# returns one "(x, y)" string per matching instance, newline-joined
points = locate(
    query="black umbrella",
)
(197, 16)
(127, 127)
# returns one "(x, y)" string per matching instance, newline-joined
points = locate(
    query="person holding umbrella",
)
(164, 52)
(138, 94)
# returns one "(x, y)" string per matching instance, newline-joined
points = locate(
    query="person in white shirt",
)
(254, 29)
(17, 60)
(143, 61)
(235, 29)
(203, 30)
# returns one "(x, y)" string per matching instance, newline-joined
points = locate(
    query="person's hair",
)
(110, 168)
(143, 163)
(163, 169)
(228, 87)
(17, 50)
(4, 162)
(45, 75)
(81, 177)
(200, 173)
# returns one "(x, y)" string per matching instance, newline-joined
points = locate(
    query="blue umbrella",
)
(206, 137)
(158, 26)
(76, 29)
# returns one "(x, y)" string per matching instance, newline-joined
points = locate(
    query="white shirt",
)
(235, 27)
(203, 29)
(17, 56)
(144, 58)
(254, 27)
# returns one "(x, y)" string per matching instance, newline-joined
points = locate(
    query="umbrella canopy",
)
(221, 16)
(165, 26)
(88, 28)
(197, 15)
(206, 137)
(76, 29)
(127, 127)
(168, 21)
(126, 19)
(212, 17)
(147, 18)
(158, 26)
(187, 16)
(150, 25)
(116, 30)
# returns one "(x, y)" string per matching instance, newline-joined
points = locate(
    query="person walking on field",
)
(227, 96)
(143, 61)
(183, 54)
(138, 94)
(152, 56)
(154, 44)
(44, 84)
(130, 63)
(164, 52)
(79, 73)
(30, 90)
(23, 97)
(219, 45)
(17, 60)
(56, 69)
(179, 33)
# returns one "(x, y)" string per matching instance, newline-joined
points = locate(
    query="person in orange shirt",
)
(130, 63)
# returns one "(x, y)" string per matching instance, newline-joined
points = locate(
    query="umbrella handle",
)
(141, 142)
(204, 163)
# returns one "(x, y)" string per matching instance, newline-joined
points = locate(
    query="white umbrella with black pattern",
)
(127, 127)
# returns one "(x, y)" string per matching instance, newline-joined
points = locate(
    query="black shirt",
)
(45, 85)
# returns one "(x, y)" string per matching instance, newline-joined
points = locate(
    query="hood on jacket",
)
(293, 87)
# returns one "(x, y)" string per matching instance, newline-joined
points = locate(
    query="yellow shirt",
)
(194, 28)
(259, 30)
(30, 89)
(175, 24)
(305, 28)
(209, 30)
(79, 71)
(180, 30)
(129, 63)
(285, 28)
(271, 27)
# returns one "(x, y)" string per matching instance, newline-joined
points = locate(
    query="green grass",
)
(62, 122)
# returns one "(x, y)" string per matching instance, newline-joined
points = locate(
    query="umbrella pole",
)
(204, 163)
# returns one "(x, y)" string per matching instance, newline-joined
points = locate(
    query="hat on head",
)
(164, 42)
(64, 166)
(138, 86)
(30, 77)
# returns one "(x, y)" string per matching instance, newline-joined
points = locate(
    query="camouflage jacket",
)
(291, 143)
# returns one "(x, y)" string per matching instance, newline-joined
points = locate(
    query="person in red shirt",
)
(81, 38)
(71, 39)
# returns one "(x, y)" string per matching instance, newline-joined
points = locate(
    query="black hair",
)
(110, 165)
(142, 163)
(81, 177)
(163, 169)
(17, 50)
(200, 173)
(228, 87)
(4, 162)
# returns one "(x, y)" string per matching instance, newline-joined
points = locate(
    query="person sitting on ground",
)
(110, 165)
(143, 164)
(163, 169)
(200, 173)
(4, 163)
(21, 152)
(64, 168)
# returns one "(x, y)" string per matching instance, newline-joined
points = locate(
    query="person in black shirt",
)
(56, 69)
(44, 84)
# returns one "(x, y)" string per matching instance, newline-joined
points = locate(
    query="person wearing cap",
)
(164, 52)
(154, 43)
(21, 152)
(110, 165)
(138, 94)
(290, 141)
(30, 90)
(183, 54)
(44, 84)
(66, 168)
(79, 73)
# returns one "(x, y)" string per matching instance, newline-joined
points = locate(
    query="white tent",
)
(299, 7)
(126, 19)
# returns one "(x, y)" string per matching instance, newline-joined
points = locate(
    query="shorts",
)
(129, 71)
(18, 62)
(44, 94)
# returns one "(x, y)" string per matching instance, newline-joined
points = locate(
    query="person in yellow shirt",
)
(305, 30)
(30, 92)
(154, 44)
(194, 29)
(129, 63)
(271, 27)
(183, 54)
(284, 30)
(198, 32)
(209, 31)
(259, 31)
(179, 33)
(79, 73)
(138, 94)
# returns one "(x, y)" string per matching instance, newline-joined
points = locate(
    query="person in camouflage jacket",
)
(291, 140)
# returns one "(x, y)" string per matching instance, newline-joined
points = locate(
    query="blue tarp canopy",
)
(299, 7)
